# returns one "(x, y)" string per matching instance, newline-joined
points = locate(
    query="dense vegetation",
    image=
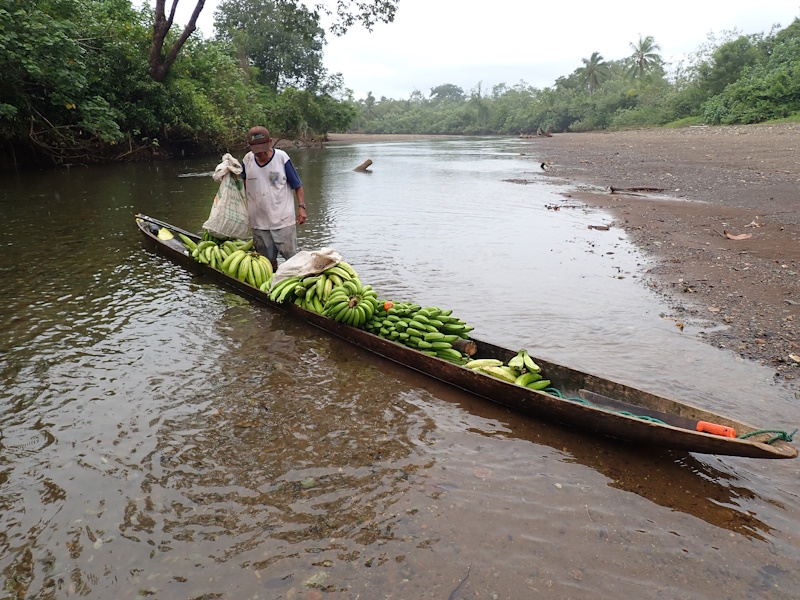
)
(736, 79)
(95, 80)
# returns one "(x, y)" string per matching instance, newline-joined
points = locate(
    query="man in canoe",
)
(271, 184)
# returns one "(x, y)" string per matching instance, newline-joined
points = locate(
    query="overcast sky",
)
(466, 42)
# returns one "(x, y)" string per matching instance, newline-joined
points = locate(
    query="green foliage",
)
(447, 91)
(282, 39)
(645, 59)
(764, 92)
(594, 71)
(728, 63)
(75, 87)
(734, 79)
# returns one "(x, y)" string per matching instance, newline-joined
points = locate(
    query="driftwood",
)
(467, 347)
(615, 190)
(364, 166)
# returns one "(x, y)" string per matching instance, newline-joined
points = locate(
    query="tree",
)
(160, 65)
(447, 91)
(369, 105)
(645, 58)
(347, 14)
(594, 71)
(282, 40)
(350, 12)
(727, 64)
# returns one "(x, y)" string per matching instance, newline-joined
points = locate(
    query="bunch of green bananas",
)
(250, 267)
(233, 257)
(313, 291)
(281, 290)
(429, 329)
(520, 370)
(351, 303)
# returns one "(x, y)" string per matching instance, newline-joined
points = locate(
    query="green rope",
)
(780, 434)
(554, 392)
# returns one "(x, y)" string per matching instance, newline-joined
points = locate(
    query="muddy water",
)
(163, 437)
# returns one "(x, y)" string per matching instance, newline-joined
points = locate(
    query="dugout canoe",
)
(588, 403)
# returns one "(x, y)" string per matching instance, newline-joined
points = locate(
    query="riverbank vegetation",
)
(99, 80)
(730, 79)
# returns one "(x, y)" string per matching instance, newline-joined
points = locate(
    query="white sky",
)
(465, 42)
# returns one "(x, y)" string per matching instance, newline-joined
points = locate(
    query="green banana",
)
(341, 311)
(449, 354)
(538, 385)
(347, 268)
(339, 272)
(498, 372)
(321, 280)
(258, 274)
(233, 266)
(187, 241)
(288, 288)
(479, 363)
(527, 378)
(267, 265)
(244, 268)
(326, 292)
(529, 364)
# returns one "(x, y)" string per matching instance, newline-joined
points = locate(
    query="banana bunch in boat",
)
(351, 303)
(428, 329)
(311, 292)
(520, 370)
(326, 291)
(233, 257)
(303, 290)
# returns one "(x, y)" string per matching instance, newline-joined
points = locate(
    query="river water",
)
(164, 437)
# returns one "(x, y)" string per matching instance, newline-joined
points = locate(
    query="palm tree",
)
(594, 71)
(644, 58)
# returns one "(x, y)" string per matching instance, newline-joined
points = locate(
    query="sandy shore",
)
(710, 182)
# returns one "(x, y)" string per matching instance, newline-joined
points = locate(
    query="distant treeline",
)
(98, 80)
(736, 79)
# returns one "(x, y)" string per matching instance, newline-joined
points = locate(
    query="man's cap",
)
(258, 138)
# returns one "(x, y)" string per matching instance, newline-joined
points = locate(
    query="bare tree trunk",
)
(159, 66)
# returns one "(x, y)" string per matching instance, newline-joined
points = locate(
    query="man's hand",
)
(301, 215)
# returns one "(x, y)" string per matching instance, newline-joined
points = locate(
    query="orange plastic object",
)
(722, 430)
(388, 304)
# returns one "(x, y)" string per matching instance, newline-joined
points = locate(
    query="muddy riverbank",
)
(719, 210)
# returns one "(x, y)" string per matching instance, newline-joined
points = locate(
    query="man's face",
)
(262, 156)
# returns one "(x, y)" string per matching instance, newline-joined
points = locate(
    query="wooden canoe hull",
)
(569, 411)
